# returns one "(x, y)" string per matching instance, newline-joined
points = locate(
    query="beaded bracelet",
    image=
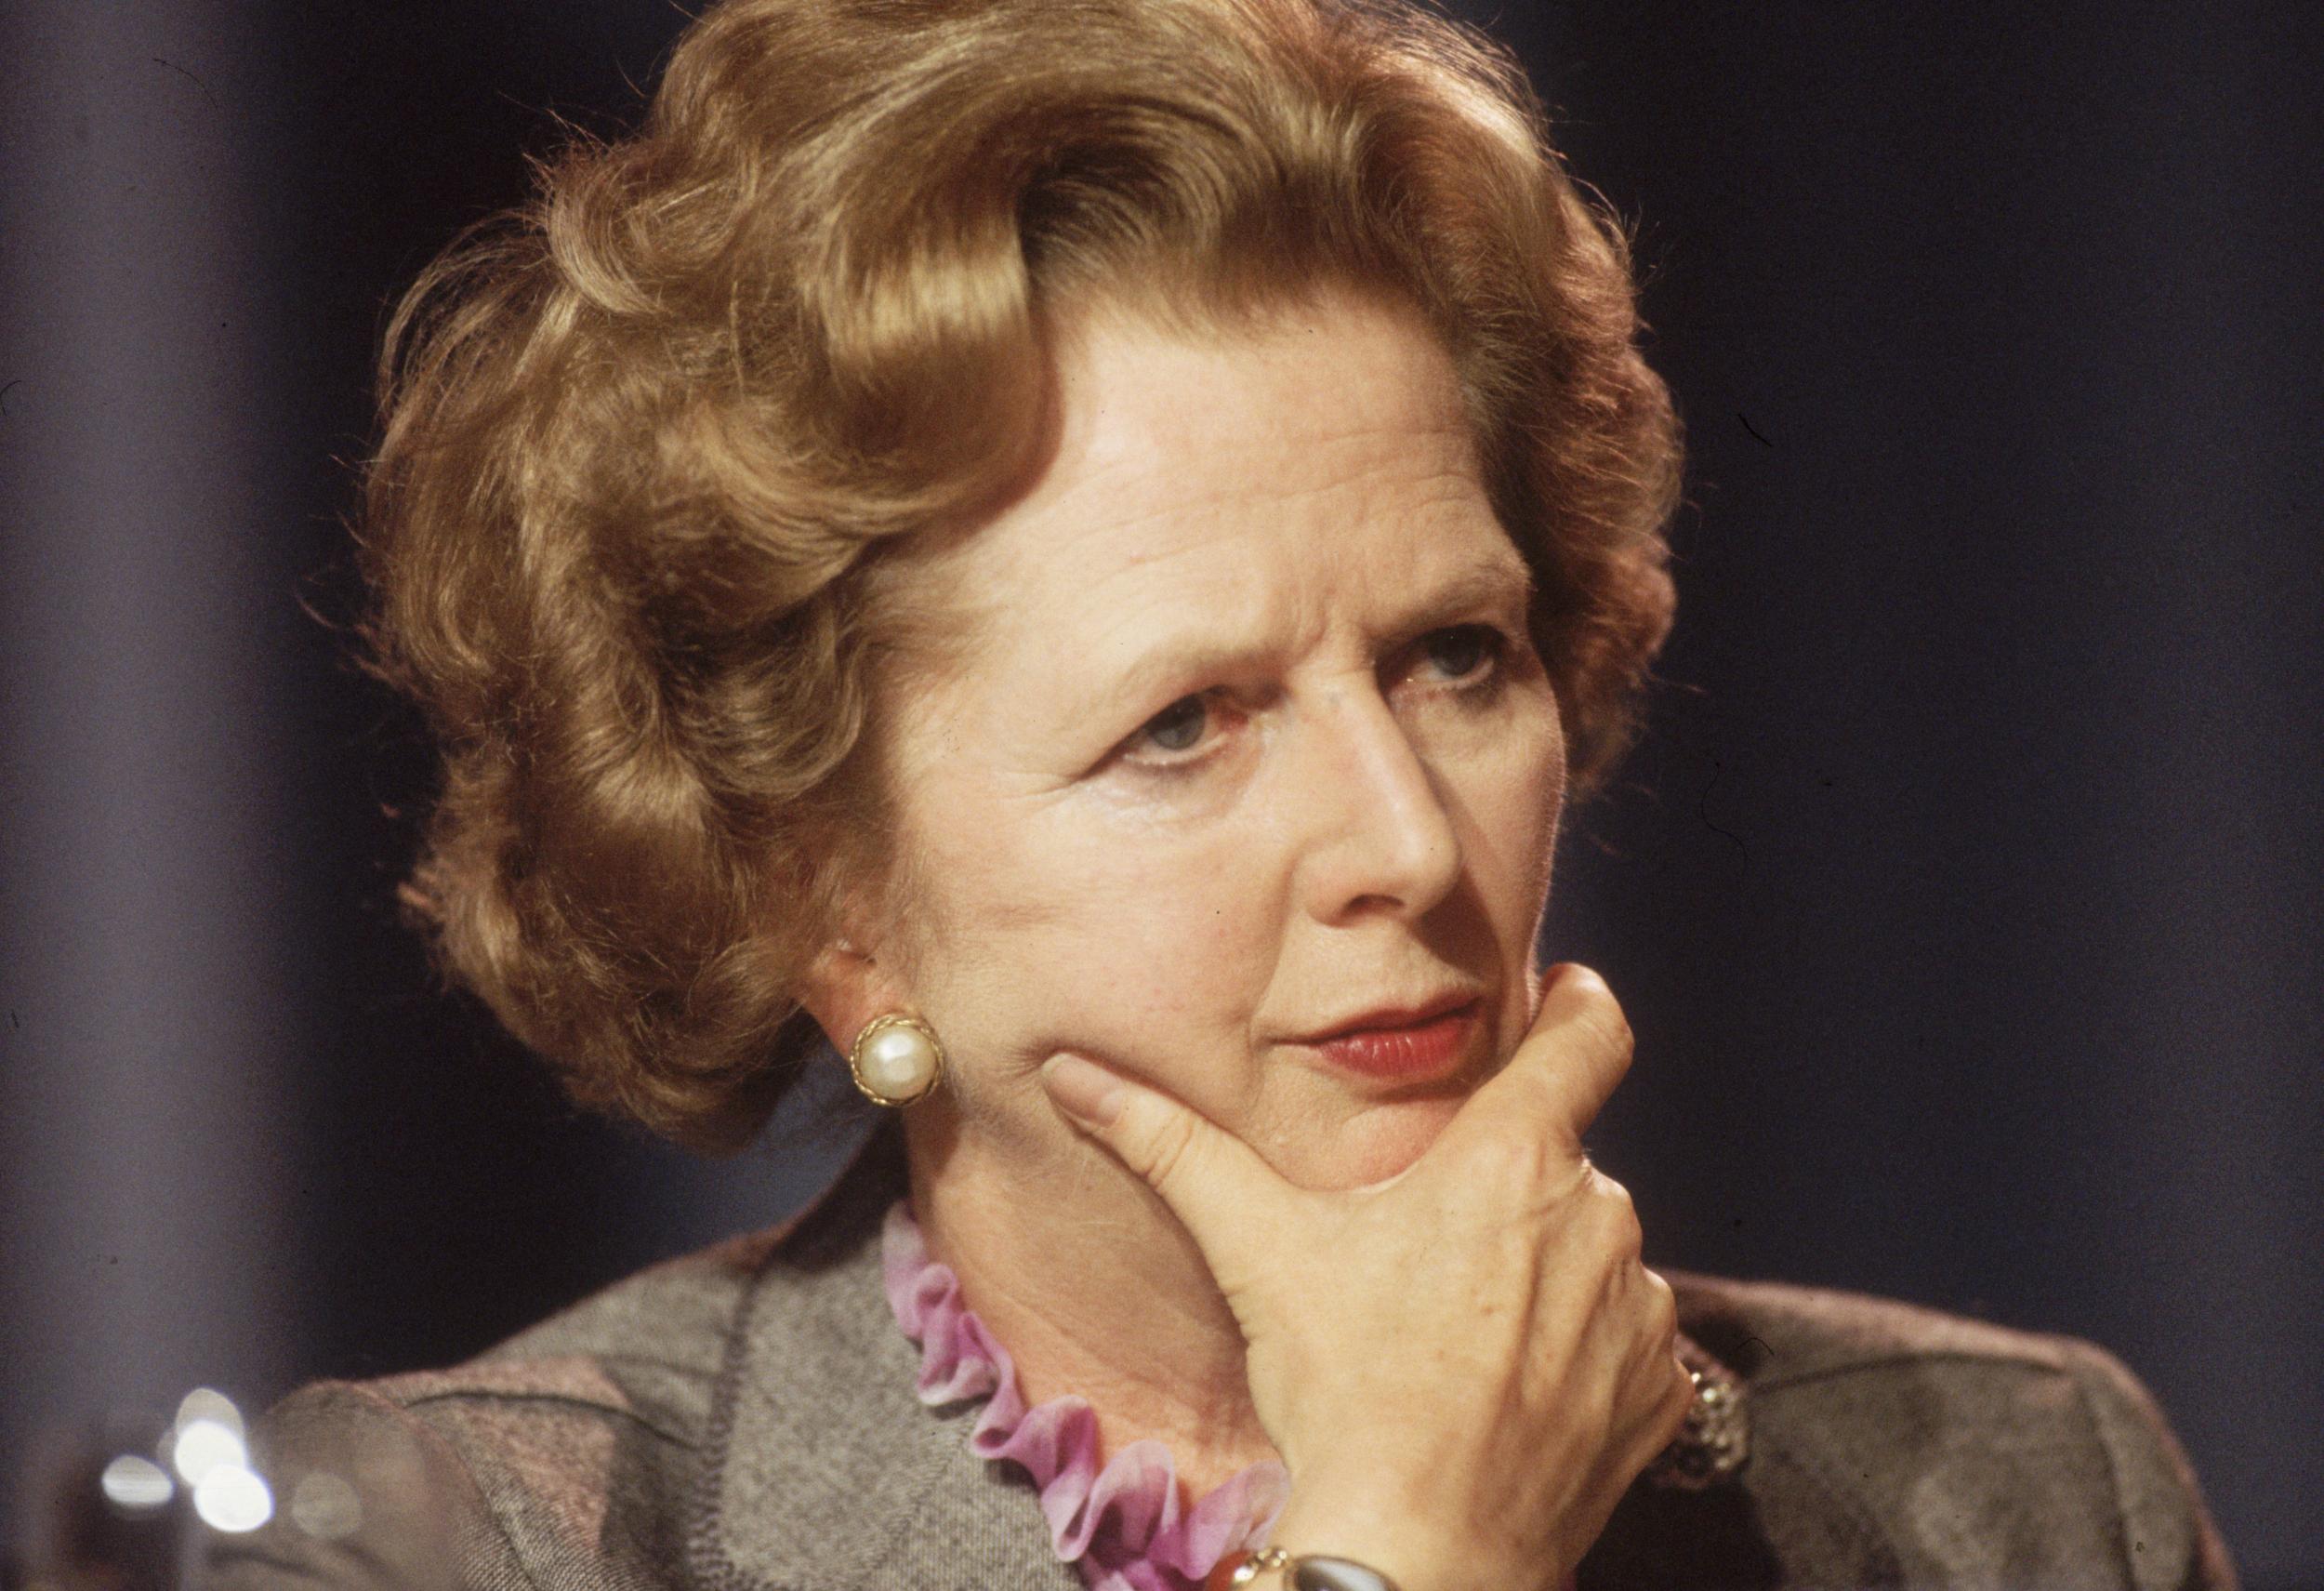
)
(1238, 1570)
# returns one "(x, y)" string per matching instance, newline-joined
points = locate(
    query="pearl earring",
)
(896, 1059)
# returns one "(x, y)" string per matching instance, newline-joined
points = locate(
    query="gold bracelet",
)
(1255, 1564)
(1307, 1573)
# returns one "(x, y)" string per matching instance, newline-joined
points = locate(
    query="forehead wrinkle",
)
(1245, 633)
(1206, 519)
(1385, 469)
(1296, 462)
(1141, 425)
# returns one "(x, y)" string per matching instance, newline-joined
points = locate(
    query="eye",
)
(1466, 652)
(1191, 733)
(1178, 726)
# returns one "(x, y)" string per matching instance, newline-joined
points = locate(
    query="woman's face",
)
(1250, 740)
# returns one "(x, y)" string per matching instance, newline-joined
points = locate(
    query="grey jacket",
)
(744, 1420)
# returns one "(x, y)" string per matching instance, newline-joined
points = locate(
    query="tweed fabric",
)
(745, 1420)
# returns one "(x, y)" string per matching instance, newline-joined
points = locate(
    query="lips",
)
(1409, 1052)
(1393, 1016)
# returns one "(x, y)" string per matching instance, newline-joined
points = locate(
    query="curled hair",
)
(647, 439)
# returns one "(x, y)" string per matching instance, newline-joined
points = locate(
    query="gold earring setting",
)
(896, 1059)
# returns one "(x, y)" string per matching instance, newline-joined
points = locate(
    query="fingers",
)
(1213, 1182)
(1560, 1076)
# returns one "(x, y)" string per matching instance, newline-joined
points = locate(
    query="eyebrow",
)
(1504, 587)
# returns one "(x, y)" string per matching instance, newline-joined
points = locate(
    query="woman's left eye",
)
(1178, 726)
(1465, 649)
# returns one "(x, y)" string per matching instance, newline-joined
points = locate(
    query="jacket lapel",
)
(825, 1471)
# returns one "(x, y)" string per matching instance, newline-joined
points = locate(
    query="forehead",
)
(1330, 393)
(1245, 488)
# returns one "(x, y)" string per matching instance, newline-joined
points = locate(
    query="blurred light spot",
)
(203, 1403)
(233, 1499)
(323, 1505)
(135, 1483)
(201, 1446)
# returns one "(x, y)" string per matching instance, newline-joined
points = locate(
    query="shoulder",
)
(644, 1350)
(2001, 1454)
(1779, 1333)
(565, 1450)
(636, 1361)
(568, 1456)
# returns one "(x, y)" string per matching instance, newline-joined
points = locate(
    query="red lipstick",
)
(1422, 1050)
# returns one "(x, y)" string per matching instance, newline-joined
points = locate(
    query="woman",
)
(1072, 554)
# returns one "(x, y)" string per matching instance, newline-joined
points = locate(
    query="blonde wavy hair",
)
(649, 442)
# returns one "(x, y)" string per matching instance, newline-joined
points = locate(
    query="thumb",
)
(1553, 1085)
(1219, 1187)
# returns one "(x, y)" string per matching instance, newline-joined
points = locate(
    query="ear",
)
(845, 987)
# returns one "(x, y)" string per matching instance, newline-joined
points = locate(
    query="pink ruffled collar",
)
(1122, 1526)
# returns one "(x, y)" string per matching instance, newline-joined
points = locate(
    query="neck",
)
(1082, 1273)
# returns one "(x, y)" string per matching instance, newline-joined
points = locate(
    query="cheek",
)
(1518, 811)
(1067, 935)
(1515, 797)
(1543, 807)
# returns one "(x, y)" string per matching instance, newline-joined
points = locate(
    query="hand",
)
(1464, 1366)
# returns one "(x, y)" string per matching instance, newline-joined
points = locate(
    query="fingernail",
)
(1083, 1090)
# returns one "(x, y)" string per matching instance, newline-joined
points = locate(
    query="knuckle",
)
(1581, 980)
(1677, 1399)
(1593, 1010)
(1624, 1236)
(1510, 1153)
(1662, 1313)
(1603, 1018)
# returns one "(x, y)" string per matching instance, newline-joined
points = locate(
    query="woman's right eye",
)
(1177, 727)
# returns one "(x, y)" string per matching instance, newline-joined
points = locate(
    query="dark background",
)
(1963, 894)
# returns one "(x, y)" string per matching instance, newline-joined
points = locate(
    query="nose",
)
(1382, 837)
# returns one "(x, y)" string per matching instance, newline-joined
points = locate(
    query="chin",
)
(1378, 1143)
